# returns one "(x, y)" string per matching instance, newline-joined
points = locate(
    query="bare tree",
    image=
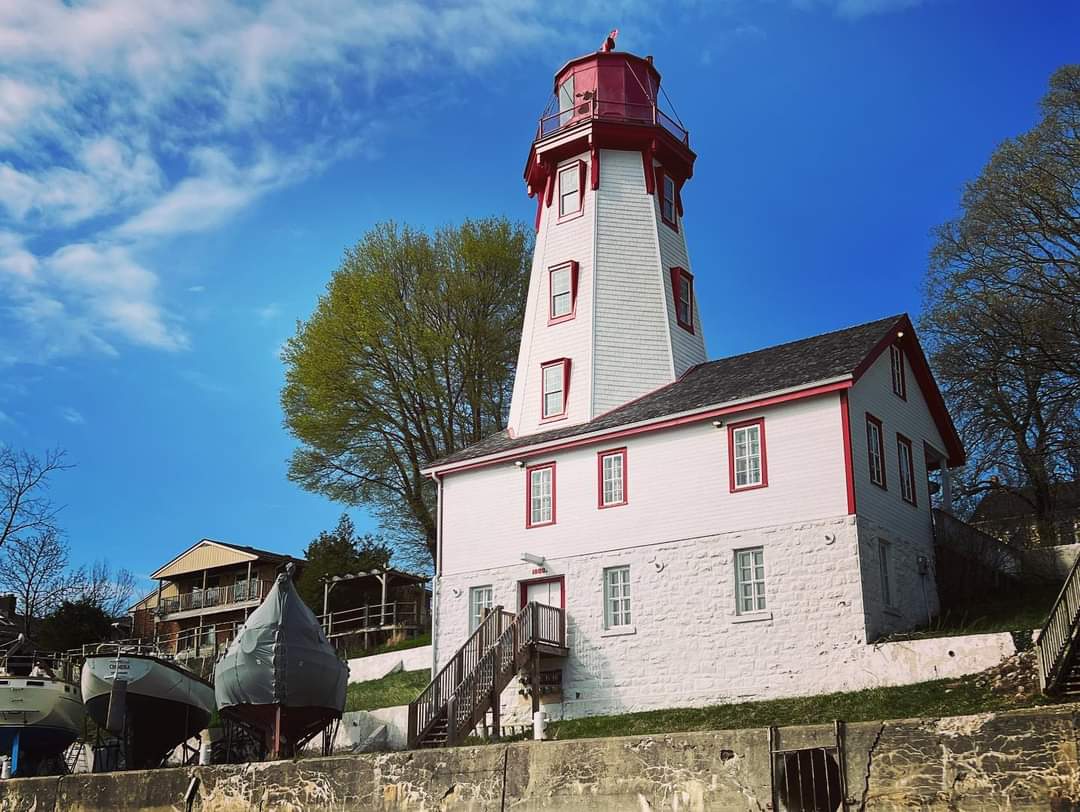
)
(24, 504)
(35, 568)
(108, 590)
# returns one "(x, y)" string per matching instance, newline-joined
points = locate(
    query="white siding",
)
(557, 243)
(677, 485)
(632, 351)
(688, 348)
(883, 513)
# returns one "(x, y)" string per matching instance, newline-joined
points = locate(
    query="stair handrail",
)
(1056, 635)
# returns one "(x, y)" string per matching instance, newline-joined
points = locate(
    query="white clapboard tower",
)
(611, 313)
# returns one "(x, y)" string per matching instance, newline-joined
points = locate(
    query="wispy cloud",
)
(72, 416)
(268, 312)
(854, 9)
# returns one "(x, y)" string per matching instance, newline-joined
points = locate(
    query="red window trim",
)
(760, 423)
(600, 455)
(566, 389)
(660, 186)
(896, 356)
(552, 318)
(677, 274)
(884, 484)
(580, 210)
(528, 494)
(523, 588)
(901, 440)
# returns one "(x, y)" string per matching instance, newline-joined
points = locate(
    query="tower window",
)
(540, 497)
(875, 450)
(746, 455)
(667, 200)
(571, 189)
(907, 468)
(562, 292)
(566, 101)
(899, 383)
(682, 293)
(555, 381)
(612, 475)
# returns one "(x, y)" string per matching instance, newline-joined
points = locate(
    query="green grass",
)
(929, 699)
(395, 689)
(355, 651)
(1023, 612)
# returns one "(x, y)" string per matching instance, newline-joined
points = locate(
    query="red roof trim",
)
(849, 468)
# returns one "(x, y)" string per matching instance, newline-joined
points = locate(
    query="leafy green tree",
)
(338, 552)
(409, 356)
(72, 624)
(1002, 308)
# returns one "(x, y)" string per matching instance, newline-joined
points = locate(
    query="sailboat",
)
(280, 675)
(41, 710)
(146, 699)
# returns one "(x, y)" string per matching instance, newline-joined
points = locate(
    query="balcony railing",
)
(646, 113)
(371, 617)
(242, 593)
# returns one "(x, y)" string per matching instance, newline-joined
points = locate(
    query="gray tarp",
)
(281, 657)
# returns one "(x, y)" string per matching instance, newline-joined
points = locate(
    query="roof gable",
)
(204, 554)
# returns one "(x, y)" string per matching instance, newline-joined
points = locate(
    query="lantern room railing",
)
(592, 109)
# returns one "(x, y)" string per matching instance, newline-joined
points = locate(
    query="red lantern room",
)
(607, 100)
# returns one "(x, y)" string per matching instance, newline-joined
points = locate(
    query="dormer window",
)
(555, 380)
(899, 382)
(571, 190)
(682, 294)
(562, 292)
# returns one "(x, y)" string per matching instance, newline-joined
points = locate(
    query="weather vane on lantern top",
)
(609, 43)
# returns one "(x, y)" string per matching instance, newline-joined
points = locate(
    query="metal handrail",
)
(215, 596)
(1057, 634)
(647, 113)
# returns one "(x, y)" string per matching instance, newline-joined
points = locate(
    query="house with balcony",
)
(203, 596)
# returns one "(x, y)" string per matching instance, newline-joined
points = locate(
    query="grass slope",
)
(396, 689)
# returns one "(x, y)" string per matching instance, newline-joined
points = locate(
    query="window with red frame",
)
(571, 189)
(611, 473)
(668, 199)
(562, 292)
(899, 382)
(540, 495)
(682, 293)
(906, 461)
(746, 455)
(555, 385)
(875, 450)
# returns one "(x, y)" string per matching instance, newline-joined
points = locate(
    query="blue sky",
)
(177, 182)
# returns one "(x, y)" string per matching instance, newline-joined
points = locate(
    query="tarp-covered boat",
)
(41, 711)
(149, 701)
(280, 675)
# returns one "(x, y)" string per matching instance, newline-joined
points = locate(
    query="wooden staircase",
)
(470, 684)
(1058, 643)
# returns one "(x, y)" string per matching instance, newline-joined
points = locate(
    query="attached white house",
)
(711, 530)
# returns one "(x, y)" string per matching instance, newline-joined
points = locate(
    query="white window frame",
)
(617, 498)
(875, 451)
(573, 171)
(566, 101)
(561, 379)
(480, 598)
(755, 428)
(535, 503)
(617, 607)
(754, 579)
(885, 573)
(569, 269)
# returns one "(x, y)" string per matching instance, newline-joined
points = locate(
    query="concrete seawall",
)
(1017, 760)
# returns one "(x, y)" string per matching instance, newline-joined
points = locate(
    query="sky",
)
(179, 180)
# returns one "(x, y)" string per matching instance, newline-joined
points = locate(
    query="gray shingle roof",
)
(785, 366)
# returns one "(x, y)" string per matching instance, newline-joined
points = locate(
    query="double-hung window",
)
(682, 294)
(571, 189)
(907, 468)
(896, 361)
(668, 202)
(480, 602)
(617, 597)
(884, 570)
(611, 466)
(746, 455)
(875, 450)
(562, 296)
(555, 380)
(540, 495)
(750, 580)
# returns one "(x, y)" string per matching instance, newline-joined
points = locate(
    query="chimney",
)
(7, 605)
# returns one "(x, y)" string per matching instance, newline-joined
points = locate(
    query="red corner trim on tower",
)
(549, 188)
(581, 185)
(849, 469)
(595, 170)
(650, 176)
(539, 209)
(678, 197)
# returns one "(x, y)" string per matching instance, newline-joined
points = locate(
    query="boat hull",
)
(165, 703)
(39, 719)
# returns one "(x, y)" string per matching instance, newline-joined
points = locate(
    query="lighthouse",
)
(611, 313)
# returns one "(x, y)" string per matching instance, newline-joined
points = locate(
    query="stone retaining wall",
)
(1017, 761)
